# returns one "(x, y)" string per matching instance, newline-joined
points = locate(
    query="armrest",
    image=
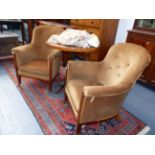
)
(82, 69)
(54, 59)
(23, 54)
(101, 91)
(54, 54)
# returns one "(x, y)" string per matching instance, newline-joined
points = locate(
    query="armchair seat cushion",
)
(35, 67)
(75, 88)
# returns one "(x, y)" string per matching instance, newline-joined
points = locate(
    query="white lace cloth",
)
(75, 38)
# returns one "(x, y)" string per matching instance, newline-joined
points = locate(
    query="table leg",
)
(1, 27)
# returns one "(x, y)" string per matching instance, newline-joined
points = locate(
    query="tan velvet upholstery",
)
(37, 60)
(96, 90)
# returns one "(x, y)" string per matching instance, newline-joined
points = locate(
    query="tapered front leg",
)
(118, 117)
(50, 84)
(65, 95)
(78, 129)
(16, 69)
(19, 80)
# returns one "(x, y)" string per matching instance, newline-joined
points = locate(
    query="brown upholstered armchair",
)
(96, 90)
(37, 60)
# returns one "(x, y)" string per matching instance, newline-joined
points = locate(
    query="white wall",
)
(123, 26)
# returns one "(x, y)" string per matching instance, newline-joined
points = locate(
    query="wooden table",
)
(86, 51)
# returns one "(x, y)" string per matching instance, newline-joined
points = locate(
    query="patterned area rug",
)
(55, 117)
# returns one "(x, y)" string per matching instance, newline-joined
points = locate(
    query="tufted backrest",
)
(124, 62)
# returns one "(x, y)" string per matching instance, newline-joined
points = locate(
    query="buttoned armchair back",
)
(97, 90)
(123, 63)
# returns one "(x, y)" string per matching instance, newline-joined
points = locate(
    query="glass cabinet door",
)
(145, 24)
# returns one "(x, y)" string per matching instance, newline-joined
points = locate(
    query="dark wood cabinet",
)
(151, 74)
(7, 42)
(147, 40)
(145, 24)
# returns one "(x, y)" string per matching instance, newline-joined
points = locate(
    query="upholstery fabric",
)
(96, 90)
(75, 88)
(35, 59)
(35, 67)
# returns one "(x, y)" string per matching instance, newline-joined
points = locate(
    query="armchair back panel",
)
(123, 63)
(43, 32)
(40, 36)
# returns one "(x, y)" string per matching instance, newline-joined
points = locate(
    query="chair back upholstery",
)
(124, 63)
(42, 33)
(40, 36)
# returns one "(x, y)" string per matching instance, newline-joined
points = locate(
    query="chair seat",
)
(35, 67)
(75, 88)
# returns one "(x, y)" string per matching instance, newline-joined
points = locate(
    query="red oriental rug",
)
(57, 118)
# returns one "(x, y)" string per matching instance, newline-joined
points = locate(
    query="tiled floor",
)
(17, 118)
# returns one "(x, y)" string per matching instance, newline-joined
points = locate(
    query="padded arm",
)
(23, 54)
(54, 54)
(54, 60)
(100, 91)
(82, 69)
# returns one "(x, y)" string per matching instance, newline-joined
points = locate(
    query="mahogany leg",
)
(19, 80)
(118, 117)
(78, 129)
(16, 69)
(50, 85)
(65, 96)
